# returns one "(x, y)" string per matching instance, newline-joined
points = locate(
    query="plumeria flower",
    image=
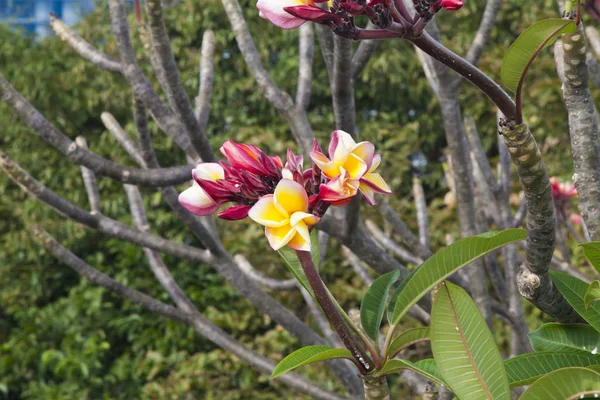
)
(284, 214)
(450, 5)
(351, 167)
(562, 190)
(290, 14)
(196, 199)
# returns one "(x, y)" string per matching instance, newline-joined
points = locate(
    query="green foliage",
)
(443, 263)
(592, 294)
(572, 338)
(374, 302)
(574, 291)
(463, 347)
(523, 51)
(407, 338)
(527, 368)
(308, 355)
(567, 383)
(591, 250)
(426, 367)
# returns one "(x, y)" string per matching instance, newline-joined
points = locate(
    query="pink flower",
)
(562, 190)
(290, 14)
(351, 167)
(252, 159)
(196, 199)
(450, 5)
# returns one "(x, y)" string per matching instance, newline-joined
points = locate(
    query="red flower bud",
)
(314, 14)
(451, 5)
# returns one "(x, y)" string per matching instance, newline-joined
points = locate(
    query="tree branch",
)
(83, 48)
(197, 321)
(89, 181)
(171, 82)
(422, 215)
(36, 121)
(306, 55)
(206, 79)
(122, 137)
(140, 85)
(488, 21)
(262, 279)
(364, 52)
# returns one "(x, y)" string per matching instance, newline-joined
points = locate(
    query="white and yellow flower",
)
(284, 214)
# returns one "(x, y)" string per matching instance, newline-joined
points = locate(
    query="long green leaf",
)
(406, 338)
(464, 348)
(527, 368)
(591, 250)
(445, 262)
(574, 291)
(577, 338)
(291, 261)
(373, 303)
(566, 383)
(592, 294)
(427, 368)
(521, 53)
(307, 355)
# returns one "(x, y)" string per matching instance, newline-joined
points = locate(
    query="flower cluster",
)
(562, 191)
(290, 14)
(286, 199)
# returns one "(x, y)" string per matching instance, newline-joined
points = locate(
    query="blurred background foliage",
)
(62, 338)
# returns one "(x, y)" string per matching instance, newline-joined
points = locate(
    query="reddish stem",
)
(362, 361)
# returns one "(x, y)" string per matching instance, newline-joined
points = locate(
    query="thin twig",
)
(206, 79)
(89, 181)
(390, 245)
(422, 214)
(122, 137)
(363, 54)
(262, 279)
(305, 65)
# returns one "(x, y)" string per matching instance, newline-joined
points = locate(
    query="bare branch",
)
(260, 278)
(533, 280)
(325, 37)
(504, 178)
(36, 121)
(82, 47)
(520, 214)
(594, 39)
(89, 181)
(422, 215)
(478, 153)
(488, 21)
(197, 321)
(407, 237)
(206, 79)
(583, 127)
(357, 266)
(322, 322)
(140, 85)
(278, 98)
(364, 52)
(171, 82)
(306, 53)
(390, 245)
(342, 85)
(122, 137)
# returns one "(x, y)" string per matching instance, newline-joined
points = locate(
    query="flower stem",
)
(322, 296)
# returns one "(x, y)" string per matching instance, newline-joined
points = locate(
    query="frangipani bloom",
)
(196, 199)
(450, 5)
(351, 168)
(290, 14)
(562, 190)
(285, 216)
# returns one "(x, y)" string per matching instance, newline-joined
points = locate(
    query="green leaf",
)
(524, 50)
(527, 368)
(578, 338)
(407, 338)
(427, 368)
(591, 250)
(464, 348)
(574, 291)
(373, 303)
(308, 355)
(566, 383)
(289, 256)
(592, 294)
(445, 262)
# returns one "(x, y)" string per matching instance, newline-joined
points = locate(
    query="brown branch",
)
(171, 82)
(206, 79)
(89, 181)
(36, 121)
(83, 48)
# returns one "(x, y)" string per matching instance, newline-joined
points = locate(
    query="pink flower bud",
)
(313, 14)
(451, 5)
